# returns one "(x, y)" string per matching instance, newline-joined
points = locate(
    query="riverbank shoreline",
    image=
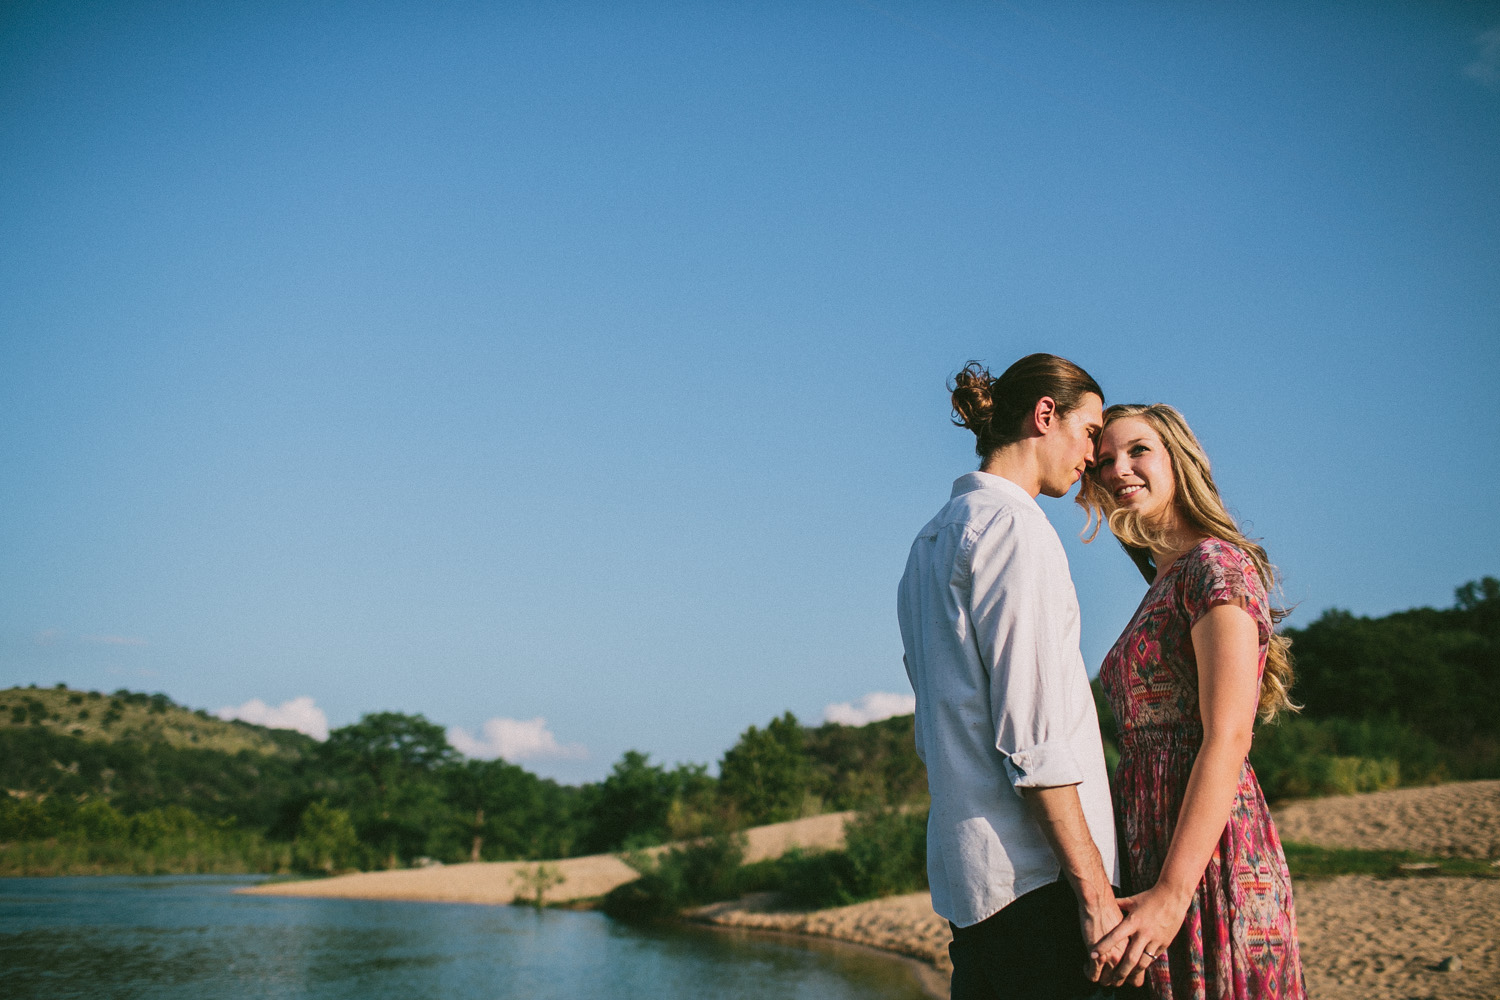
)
(901, 926)
(588, 877)
(933, 981)
(1363, 937)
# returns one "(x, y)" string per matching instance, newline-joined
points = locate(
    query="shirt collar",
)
(971, 481)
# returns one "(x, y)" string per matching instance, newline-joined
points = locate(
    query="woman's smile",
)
(1131, 459)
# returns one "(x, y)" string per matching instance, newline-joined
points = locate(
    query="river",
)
(193, 938)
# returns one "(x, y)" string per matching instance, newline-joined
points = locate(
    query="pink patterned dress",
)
(1239, 938)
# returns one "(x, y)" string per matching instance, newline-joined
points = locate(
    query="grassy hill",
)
(127, 715)
(139, 753)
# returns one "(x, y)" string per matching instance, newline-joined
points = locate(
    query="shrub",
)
(885, 854)
(1299, 757)
(703, 871)
(326, 841)
(99, 822)
(888, 851)
(539, 881)
(24, 819)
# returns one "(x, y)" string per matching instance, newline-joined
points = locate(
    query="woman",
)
(1186, 680)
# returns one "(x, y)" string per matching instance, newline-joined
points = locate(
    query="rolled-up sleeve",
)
(1019, 611)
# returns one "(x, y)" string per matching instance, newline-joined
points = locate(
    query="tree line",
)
(389, 790)
(1408, 698)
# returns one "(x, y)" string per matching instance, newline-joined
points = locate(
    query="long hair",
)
(993, 408)
(1197, 501)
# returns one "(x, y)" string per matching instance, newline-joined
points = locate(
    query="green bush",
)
(703, 871)
(326, 841)
(885, 854)
(1299, 757)
(57, 836)
(887, 849)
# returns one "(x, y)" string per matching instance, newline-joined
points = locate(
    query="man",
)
(1021, 843)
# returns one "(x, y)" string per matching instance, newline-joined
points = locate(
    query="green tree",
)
(326, 841)
(695, 808)
(499, 808)
(629, 808)
(395, 761)
(1438, 670)
(767, 775)
(99, 822)
(860, 767)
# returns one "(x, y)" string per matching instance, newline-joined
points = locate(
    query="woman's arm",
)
(1226, 643)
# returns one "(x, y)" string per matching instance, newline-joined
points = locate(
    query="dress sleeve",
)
(1221, 573)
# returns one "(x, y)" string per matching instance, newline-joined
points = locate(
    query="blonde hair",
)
(1198, 503)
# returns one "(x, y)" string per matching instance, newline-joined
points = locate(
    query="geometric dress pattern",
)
(1239, 938)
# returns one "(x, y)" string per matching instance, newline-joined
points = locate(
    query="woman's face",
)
(1135, 468)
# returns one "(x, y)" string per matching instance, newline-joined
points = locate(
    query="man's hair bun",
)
(972, 401)
(993, 408)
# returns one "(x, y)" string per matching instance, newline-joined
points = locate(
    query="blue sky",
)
(585, 363)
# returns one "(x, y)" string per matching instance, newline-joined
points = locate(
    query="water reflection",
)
(191, 937)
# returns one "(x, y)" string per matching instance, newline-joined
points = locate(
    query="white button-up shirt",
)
(989, 620)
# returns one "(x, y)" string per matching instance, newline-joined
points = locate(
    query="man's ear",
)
(1044, 415)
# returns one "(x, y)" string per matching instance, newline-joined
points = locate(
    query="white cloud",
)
(301, 714)
(872, 707)
(515, 740)
(1486, 69)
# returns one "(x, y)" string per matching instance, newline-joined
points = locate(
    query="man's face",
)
(1068, 446)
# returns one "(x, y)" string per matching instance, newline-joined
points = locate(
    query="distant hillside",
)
(154, 718)
(1411, 698)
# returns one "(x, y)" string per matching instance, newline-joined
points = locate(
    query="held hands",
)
(1151, 921)
(1098, 920)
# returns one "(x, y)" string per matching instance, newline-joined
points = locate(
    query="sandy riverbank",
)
(1363, 938)
(583, 878)
(1456, 820)
(905, 925)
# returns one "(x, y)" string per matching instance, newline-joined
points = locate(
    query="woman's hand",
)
(1152, 919)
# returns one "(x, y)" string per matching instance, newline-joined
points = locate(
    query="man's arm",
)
(1019, 623)
(1059, 813)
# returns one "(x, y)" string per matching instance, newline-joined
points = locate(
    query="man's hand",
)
(1059, 813)
(1097, 920)
(1151, 922)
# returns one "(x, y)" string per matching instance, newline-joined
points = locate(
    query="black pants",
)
(1031, 950)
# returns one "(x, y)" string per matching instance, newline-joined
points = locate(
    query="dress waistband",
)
(1181, 735)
